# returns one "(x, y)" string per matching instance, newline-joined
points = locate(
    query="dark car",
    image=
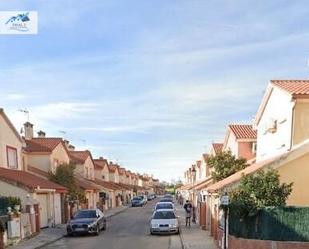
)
(87, 221)
(137, 202)
(166, 200)
(164, 205)
(150, 197)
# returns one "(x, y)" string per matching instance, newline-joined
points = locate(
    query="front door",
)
(43, 206)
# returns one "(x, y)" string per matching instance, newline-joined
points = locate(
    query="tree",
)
(225, 164)
(260, 190)
(64, 176)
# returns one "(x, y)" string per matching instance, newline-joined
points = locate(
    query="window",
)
(12, 157)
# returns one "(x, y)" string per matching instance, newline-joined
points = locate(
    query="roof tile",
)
(217, 147)
(243, 131)
(294, 87)
(29, 180)
(46, 144)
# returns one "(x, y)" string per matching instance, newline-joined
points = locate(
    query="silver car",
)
(87, 221)
(164, 221)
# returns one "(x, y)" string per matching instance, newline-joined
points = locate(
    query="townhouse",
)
(282, 138)
(109, 189)
(16, 181)
(27, 162)
(278, 139)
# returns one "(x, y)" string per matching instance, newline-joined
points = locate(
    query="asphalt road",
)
(127, 230)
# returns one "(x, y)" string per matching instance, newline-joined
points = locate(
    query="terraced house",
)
(16, 180)
(278, 139)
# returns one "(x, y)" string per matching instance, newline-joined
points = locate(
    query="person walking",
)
(188, 209)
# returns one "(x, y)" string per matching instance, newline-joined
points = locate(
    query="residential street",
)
(129, 229)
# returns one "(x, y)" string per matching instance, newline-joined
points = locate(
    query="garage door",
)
(43, 205)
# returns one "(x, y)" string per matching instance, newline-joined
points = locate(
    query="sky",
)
(149, 84)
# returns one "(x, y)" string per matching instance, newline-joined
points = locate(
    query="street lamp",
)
(193, 181)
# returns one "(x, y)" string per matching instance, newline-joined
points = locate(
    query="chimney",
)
(101, 158)
(66, 143)
(71, 147)
(41, 133)
(28, 128)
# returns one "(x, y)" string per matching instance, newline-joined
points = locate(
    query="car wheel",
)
(69, 234)
(97, 230)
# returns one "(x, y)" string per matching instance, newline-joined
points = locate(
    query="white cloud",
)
(15, 96)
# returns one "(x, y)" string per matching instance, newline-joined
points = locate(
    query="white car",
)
(164, 221)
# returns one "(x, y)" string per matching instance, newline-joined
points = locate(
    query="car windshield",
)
(166, 200)
(164, 215)
(136, 199)
(164, 206)
(85, 214)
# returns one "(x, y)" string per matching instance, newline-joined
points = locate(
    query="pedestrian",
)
(188, 209)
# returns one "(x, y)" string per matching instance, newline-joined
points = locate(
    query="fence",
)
(277, 224)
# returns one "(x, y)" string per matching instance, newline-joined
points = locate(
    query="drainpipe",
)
(54, 216)
(292, 124)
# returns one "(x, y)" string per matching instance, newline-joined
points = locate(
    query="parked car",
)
(166, 200)
(137, 202)
(87, 221)
(164, 205)
(164, 221)
(144, 199)
(150, 197)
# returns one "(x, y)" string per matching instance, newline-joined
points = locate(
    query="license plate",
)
(79, 229)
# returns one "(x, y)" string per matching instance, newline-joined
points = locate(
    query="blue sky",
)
(149, 83)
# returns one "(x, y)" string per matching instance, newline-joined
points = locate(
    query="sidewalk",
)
(193, 237)
(50, 235)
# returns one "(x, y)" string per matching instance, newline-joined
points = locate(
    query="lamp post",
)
(193, 182)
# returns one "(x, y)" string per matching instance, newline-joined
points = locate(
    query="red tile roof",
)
(128, 173)
(28, 180)
(121, 171)
(294, 87)
(243, 131)
(217, 147)
(100, 163)
(79, 156)
(46, 144)
(198, 164)
(112, 168)
(108, 185)
(86, 184)
(205, 157)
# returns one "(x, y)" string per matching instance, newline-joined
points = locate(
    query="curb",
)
(61, 237)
